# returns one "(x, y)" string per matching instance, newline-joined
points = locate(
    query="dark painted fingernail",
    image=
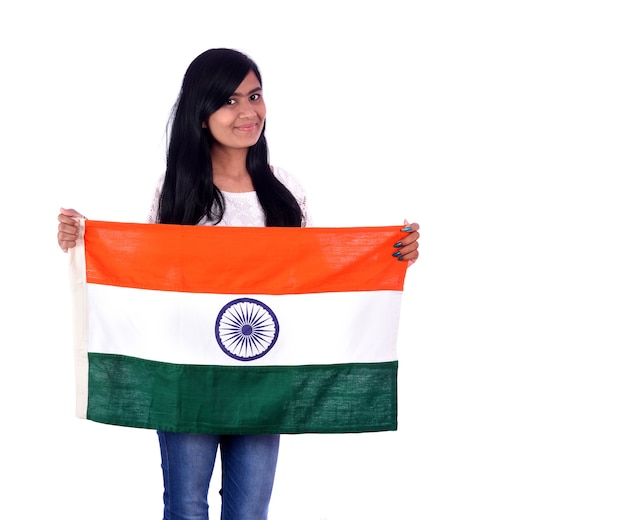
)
(398, 244)
(406, 229)
(397, 253)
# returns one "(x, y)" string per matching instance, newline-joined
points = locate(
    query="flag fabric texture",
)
(237, 330)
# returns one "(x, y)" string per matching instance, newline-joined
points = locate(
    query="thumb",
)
(71, 213)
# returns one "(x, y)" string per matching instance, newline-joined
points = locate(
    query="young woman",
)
(217, 173)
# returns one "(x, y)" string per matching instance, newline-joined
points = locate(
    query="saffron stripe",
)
(240, 260)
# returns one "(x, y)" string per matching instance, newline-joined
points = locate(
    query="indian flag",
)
(237, 330)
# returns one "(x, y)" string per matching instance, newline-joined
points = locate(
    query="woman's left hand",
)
(407, 248)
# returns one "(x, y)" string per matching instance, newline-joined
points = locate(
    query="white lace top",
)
(244, 209)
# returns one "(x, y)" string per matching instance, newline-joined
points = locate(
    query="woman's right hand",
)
(68, 228)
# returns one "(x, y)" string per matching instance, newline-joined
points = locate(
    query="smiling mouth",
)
(247, 128)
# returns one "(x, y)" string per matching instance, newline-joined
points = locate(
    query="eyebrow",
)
(238, 94)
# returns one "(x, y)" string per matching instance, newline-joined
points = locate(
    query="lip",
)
(247, 128)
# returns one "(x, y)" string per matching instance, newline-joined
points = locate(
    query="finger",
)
(411, 238)
(413, 235)
(67, 235)
(66, 244)
(407, 249)
(67, 221)
(70, 228)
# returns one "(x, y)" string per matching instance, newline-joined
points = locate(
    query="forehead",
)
(249, 83)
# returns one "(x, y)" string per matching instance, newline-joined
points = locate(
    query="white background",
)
(499, 126)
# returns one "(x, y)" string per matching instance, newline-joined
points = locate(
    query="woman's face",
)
(239, 123)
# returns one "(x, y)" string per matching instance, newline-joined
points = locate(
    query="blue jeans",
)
(248, 468)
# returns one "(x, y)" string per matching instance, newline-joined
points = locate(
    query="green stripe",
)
(127, 391)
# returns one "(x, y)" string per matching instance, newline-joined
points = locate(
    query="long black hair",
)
(188, 192)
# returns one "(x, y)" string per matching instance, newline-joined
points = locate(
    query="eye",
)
(231, 101)
(255, 97)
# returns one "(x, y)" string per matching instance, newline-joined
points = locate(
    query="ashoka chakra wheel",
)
(246, 329)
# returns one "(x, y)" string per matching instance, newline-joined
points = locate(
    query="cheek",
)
(261, 111)
(215, 124)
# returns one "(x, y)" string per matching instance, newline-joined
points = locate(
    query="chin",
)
(251, 141)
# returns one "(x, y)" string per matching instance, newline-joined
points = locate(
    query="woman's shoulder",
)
(156, 195)
(297, 190)
(289, 180)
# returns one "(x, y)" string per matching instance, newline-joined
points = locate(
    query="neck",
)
(229, 169)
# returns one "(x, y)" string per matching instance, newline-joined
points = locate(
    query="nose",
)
(246, 109)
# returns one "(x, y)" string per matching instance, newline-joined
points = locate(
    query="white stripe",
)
(177, 327)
